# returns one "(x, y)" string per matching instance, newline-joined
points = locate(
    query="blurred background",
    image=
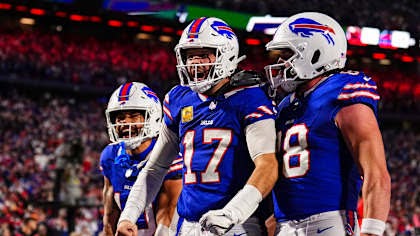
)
(60, 60)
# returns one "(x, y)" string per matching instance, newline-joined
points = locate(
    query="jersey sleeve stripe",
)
(346, 96)
(167, 112)
(253, 115)
(359, 85)
(265, 109)
(175, 167)
(176, 161)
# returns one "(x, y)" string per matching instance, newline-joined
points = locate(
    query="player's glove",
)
(237, 211)
(218, 222)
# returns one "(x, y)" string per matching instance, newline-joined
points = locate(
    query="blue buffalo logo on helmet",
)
(223, 29)
(305, 27)
(150, 93)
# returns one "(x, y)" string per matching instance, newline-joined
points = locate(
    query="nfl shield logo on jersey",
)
(187, 114)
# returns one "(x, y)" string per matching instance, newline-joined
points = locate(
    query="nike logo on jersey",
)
(322, 230)
(366, 78)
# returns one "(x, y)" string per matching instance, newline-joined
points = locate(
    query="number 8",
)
(296, 157)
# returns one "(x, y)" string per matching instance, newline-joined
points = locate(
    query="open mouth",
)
(126, 133)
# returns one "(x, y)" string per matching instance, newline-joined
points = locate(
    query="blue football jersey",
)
(217, 163)
(122, 170)
(318, 172)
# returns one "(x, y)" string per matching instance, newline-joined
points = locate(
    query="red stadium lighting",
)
(61, 14)
(349, 52)
(95, 19)
(75, 17)
(37, 11)
(5, 6)
(21, 8)
(406, 58)
(252, 41)
(179, 32)
(148, 28)
(115, 23)
(378, 56)
(168, 30)
(132, 23)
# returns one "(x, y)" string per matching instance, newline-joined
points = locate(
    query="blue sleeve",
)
(255, 106)
(171, 109)
(359, 88)
(106, 161)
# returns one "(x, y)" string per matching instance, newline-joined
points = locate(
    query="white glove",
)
(237, 211)
(218, 222)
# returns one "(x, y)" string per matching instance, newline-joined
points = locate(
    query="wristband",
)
(372, 226)
(244, 203)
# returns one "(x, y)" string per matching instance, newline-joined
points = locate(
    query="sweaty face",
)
(129, 123)
(197, 60)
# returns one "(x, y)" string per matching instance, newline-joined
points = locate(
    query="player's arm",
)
(167, 200)
(149, 180)
(360, 130)
(111, 210)
(261, 139)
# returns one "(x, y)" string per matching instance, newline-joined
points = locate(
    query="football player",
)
(134, 117)
(330, 140)
(225, 134)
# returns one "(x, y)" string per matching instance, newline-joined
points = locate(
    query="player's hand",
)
(217, 222)
(126, 228)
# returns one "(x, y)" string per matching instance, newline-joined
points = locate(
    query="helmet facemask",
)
(200, 77)
(131, 133)
(283, 73)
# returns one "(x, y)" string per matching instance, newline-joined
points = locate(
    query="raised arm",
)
(148, 181)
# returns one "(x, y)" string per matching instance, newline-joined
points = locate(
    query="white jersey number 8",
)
(296, 156)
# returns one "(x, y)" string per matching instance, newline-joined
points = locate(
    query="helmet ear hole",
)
(315, 57)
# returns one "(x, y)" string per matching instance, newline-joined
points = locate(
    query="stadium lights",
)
(61, 14)
(115, 23)
(267, 24)
(21, 8)
(252, 41)
(37, 11)
(5, 6)
(143, 36)
(27, 21)
(132, 23)
(378, 56)
(75, 17)
(165, 38)
(369, 36)
(95, 19)
(148, 28)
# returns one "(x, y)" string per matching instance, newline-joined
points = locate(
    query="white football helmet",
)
(319, 45)
(210, 33)
(134, 96)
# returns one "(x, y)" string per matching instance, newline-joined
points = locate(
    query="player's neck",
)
(216, 88)
(300, 91)
(143, 146)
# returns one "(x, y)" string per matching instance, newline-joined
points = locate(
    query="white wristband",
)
(372, 226)
(244, 203)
